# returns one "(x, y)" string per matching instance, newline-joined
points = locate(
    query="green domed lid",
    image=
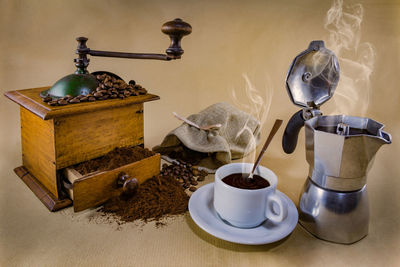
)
(73, 84)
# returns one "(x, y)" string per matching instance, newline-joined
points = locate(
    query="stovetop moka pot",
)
(339, 149)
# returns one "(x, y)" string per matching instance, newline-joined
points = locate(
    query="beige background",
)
(229, 38)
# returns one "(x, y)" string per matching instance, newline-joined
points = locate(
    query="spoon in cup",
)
(274, 129)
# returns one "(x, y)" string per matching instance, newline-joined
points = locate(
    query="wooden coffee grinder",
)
(56, 137)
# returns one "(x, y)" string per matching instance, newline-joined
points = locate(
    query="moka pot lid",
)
(313, 76)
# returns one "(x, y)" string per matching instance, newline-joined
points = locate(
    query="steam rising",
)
(257, 104)
(356, 59)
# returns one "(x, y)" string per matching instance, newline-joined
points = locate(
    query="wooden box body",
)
(54, 138)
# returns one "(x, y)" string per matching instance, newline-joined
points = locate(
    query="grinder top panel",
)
(313, 76)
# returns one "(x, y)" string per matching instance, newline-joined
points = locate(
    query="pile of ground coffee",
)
(116, 158)
(156, 198)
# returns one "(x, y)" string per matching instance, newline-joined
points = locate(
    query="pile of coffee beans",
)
(185, 173)
(109, 88)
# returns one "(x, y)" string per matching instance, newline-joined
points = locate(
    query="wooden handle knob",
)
(129, 185)
(176, 29)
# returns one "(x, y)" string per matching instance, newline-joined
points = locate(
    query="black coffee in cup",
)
(242, 181)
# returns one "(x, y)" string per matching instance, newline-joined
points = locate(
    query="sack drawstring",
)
(206, 128)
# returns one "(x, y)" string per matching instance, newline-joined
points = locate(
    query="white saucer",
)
(202, 210)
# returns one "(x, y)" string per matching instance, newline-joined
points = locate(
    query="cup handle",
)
(276, 216)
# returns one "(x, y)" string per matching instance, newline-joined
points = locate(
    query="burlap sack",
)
(238, 135)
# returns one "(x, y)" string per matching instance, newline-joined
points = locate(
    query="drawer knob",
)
(129, 185)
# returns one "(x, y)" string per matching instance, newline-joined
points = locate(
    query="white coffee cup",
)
(247, 208)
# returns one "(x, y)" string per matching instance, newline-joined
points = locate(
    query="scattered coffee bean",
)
(201, 178)
(192, 188)
(203, 173)
(184, 173)
(92, 98)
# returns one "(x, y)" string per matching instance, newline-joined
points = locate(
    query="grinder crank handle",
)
(176, 29)
(129, 185)
(290, 136)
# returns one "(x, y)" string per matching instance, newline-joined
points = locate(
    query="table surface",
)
(33, 236)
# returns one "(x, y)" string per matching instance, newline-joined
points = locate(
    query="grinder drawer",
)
(95, 188)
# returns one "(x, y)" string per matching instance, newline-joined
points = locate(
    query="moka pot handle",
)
(290, 136)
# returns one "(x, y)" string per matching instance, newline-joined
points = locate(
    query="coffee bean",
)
(92, 98)
(83, 99)
(193, 182)
(98, 94)
(74, 100)
(186, 185)
(181, 181)
(203, 173)
(201, 178)
(53, 103)
(195, 172)
(62, 102)
(47, 99)
(192, 188)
